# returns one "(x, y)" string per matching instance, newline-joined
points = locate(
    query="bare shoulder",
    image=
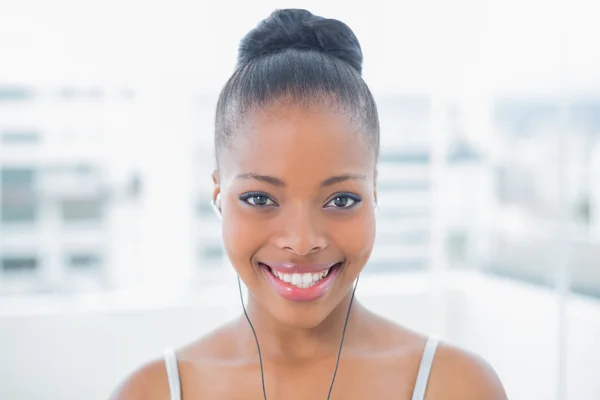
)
(194, 362)
(147, 382)
(458, 374)
(214, 347)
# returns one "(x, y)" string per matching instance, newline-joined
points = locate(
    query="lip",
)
(294, 293)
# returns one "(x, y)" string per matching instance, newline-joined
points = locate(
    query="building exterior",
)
(59, 184)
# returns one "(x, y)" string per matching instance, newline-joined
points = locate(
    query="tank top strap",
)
(425, 368)
(172, 373)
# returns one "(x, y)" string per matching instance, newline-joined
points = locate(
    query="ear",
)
(216, 184)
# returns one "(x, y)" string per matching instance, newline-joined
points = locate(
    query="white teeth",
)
(307, 278)
(296, 279)
(303, 281)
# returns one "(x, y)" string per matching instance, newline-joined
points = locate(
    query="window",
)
(521, 117)
(83, 260)
(15, 93)
(456, 247)
(19, 202)
(82, 210)
(530, 196)
(405, 157)
(17, 177)
(212, 253)
(18, 264)
(20, 137)
(24, 212)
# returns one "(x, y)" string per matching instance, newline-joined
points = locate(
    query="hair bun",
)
(300, 29)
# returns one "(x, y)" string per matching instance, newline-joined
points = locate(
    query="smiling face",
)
(297, 193)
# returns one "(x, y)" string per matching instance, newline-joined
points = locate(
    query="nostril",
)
(302, 252)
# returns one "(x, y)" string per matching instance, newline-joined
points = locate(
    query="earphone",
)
(216, 205)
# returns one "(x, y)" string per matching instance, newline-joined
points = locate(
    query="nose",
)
(301, 232)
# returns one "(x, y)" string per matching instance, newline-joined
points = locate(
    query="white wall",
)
(67, 350)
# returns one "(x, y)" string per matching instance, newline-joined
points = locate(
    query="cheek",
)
(355, 237)
(242, 237)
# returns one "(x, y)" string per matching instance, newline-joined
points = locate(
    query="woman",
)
(297, 141)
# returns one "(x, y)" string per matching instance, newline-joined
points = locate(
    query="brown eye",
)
(257, 199)
(343, 201)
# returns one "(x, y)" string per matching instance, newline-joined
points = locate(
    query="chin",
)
(301, 316)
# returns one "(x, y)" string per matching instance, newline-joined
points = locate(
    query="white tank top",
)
(418, 393)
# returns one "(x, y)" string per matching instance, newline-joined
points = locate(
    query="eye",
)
(257, 199)
(343, 201)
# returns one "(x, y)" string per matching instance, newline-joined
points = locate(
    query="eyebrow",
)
(262, 178)
(342, 178)
(279, 183)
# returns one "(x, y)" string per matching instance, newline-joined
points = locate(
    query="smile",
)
(304, 281)
(301, 282)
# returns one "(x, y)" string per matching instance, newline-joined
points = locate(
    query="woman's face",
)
(297, 193)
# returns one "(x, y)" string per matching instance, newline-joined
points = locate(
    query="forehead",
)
(299, 143)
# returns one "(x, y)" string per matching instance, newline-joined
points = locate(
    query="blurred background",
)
(489, 227)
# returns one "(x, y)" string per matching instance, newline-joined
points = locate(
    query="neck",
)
(289, 343)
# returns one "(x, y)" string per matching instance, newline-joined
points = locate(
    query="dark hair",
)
(295, 54)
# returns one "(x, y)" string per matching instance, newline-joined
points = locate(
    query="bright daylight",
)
(116, 243)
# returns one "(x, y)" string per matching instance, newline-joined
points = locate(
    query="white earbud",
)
(216, 205)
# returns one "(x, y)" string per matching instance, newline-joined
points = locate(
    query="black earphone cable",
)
(337, 362)
(262, 375)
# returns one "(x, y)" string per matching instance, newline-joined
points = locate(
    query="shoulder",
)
(195, 362)
(147, 382)
(455, 374)
(458, 374)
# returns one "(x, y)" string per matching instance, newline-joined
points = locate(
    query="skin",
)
(302, 147)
